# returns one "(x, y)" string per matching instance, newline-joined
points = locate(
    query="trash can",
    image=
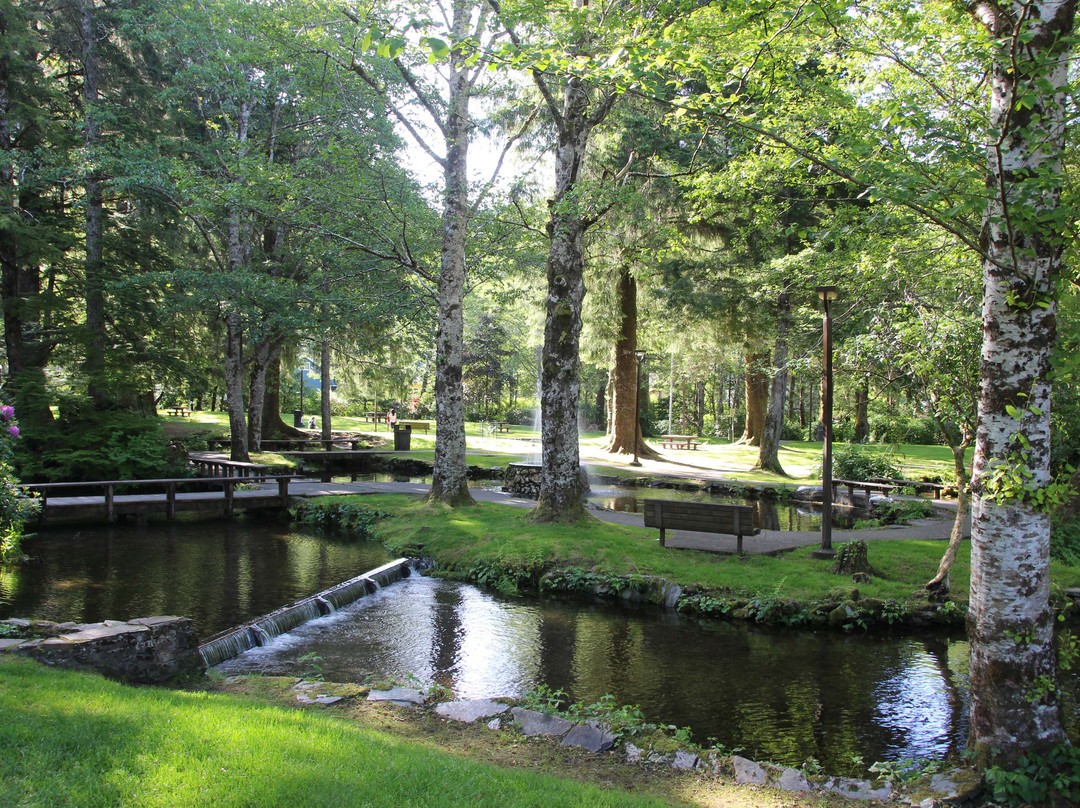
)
(402, 437)
(298, 418)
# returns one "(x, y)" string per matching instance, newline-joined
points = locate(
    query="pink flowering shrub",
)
(16, 506)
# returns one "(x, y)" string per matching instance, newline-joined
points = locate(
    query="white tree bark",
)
(1014, 698)
(449, 482)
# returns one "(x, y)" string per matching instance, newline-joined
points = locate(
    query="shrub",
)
(1038, 780)
(851, 463)
(917, 429)
(107, 445)
(16, 506)
(350, 516)
(1065, 541)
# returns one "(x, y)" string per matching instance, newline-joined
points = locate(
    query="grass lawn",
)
(800, 459)
(502, 536)
(75, 739)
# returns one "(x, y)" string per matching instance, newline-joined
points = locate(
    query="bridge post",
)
(110, 510)
(229, 496)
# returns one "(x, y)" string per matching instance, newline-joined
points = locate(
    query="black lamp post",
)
(827, 294)
(639, 355)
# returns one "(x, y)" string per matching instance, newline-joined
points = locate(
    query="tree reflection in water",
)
(781, 695)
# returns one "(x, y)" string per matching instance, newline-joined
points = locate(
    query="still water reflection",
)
(218, 573)
(780, 695)
(769, 514)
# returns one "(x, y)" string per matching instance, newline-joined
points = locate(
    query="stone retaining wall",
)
(148, 650)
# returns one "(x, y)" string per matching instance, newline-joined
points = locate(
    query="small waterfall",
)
(226, 647)
(283, 620)
(262, 630)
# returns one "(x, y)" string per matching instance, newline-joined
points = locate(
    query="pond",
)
(779, 695)
(218, 573)
(769, 514)
(782, 695)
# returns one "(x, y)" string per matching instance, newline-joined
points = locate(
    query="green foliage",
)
(506, 577)
(894, 612)
(16, 506)
(99, 445)
(705, 604)
(1038, 780)
(354, 517)
(770, 607)
(1065, 541)
(581, 581)
(545, 700)
(901, 511)
(622, 721)
(852, 463)
(920, 429)
(312, 665)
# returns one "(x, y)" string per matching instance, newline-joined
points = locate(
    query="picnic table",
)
(680, 441)
(178, 412)
(502, 426)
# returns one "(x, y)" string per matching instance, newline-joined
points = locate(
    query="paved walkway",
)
(766, 542)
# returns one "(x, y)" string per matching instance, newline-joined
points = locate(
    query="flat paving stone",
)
(469, 711)
(537, 723)
(589, 736)
(402, 696)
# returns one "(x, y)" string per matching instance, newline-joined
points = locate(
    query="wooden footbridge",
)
(112, 499)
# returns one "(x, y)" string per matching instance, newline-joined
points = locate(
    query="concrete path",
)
(766, 542)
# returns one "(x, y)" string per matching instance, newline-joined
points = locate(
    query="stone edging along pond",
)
(596, 737)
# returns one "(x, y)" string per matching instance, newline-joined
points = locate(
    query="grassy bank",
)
(73, 739)
(499, 546)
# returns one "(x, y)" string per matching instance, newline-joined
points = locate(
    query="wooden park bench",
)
(416, 425)
(702, 517)
(866, 486)
(680, 441)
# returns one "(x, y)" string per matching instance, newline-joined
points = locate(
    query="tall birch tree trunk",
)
(1015, 705)
(562, 493)
(449, 481)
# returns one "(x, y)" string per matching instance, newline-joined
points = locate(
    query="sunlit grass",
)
(800, 459)
(502, 535)
(74, 739)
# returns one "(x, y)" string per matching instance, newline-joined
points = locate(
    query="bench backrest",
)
(705, 517)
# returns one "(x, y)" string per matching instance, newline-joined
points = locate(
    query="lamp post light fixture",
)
(827, 294)
(639, 355)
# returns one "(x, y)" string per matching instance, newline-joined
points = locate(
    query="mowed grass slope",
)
(503, 536)
(73, 739)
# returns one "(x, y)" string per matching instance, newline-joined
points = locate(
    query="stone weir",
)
(261, 630)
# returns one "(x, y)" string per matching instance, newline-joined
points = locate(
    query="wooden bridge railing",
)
(167, 486)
